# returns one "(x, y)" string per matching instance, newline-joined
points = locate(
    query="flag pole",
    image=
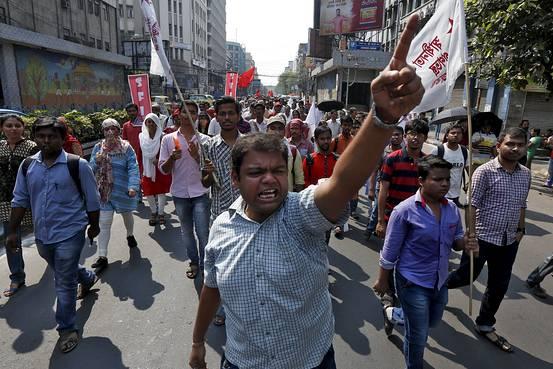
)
(469, 193)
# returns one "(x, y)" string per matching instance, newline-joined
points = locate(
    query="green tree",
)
(512, 41)
(37, 80)
(287, 81)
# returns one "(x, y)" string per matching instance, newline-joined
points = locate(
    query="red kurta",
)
(130, 133)
(162, 184)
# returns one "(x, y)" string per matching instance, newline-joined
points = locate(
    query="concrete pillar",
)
(8, 75)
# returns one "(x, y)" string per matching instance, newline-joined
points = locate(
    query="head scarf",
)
(111, 145)
(150, 146)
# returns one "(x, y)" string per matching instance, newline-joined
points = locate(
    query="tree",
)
(287, 81)
(512, 41)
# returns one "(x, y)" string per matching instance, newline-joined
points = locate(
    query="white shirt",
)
(214, 128)
(258, 127)
(455, 158)
(334, 127)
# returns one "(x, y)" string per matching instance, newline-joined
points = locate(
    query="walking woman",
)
(114, 164)
(13, 150)
(154, 183)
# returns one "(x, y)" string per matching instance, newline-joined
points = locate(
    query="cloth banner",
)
(231, 84)
(159, 65)
(139, 85)
(439, 52)
(246, 78)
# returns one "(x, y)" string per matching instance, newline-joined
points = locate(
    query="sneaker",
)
(100, 264)
(131, 241)
(153, 219)
(537, 290)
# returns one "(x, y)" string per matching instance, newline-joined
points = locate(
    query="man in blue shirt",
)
(61, 213)
(420, 234)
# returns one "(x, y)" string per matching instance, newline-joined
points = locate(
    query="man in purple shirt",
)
(419, 237)
(179, 156)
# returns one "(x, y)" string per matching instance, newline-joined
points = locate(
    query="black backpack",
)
(72, 166)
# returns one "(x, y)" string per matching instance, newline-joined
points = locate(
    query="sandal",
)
(161, 219)
(68, 341)
(153, 219)
(13, 289)
(84, 289)
(338, 233)
(192, 271)
(219, 320)
(497, 340)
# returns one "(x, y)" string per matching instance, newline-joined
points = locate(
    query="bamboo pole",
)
(469, 192)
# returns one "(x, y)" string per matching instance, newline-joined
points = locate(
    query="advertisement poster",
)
(65, 82)
(231, 84)
(350, 16)
(139, 85)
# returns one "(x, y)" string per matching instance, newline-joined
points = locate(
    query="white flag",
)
(313, 118)
(439, 52)
(159, 65)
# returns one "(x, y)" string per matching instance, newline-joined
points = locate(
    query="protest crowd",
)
(260, 185)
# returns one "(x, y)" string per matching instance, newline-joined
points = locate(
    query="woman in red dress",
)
(154, 183)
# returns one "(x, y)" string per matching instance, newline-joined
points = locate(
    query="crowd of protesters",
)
(258, 193)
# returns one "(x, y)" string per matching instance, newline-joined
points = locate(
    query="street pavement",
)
(141, 313)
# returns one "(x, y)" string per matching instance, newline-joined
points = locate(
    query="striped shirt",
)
(401, 171)
(498, 197)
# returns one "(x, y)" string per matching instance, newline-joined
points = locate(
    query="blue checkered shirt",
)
(273, 282)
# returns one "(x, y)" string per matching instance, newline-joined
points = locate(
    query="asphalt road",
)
(142, 311)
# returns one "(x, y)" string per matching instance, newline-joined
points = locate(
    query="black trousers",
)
(538, 274)
(500, 261)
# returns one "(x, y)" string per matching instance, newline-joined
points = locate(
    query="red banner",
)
(140, 93)
(246, 78)
(231, 84)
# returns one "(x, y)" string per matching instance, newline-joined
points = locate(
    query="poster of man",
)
(350, 16)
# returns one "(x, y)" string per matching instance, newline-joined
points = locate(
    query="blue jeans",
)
(194, 213)
(422, 308)
(373, 216)
(550, 174)
(327, 363)
(15, 260)
(63, 258)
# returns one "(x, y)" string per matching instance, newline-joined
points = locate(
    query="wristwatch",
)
(379, 122)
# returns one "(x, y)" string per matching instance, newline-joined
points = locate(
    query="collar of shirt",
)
(62, 157)
(405, 154)
(497, 165)
(420, 199)
(219, 140)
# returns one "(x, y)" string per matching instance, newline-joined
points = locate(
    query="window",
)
(180, 7)
(2, 15)
(97, 8)
(121, 11)
(169, 5)
(130, 11)
(81, 4)
(106, 12)
(170, 29)
(90, 7)
(180, 31)
(83, 37)
(174, 5)
(175, 29)
(92, 41)
(107, 46)
(66, 32)
(99, 44)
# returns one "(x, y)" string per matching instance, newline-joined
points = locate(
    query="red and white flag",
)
(231, 84)
(159, 65)
(139, 85)
(439, 52)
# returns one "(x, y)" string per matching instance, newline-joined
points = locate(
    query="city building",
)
(216, 45)
(61, 55)
(236, 57)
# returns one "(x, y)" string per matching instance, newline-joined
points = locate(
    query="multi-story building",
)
(236, 57)
(61, 55)
(216, 42)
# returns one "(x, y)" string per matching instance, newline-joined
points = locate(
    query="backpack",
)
(72, 166)
(441, 151)
(310, 161)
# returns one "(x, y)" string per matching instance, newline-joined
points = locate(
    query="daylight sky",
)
(270, 30)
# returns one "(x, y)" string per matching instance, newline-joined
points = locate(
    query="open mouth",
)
(268, 194)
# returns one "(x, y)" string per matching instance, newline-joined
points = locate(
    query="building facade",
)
(236, 57)
(61, 55)
(216, 42)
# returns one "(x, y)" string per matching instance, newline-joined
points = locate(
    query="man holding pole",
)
(279, 314)
(498, 205)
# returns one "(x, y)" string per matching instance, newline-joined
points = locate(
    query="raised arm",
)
(396, 91)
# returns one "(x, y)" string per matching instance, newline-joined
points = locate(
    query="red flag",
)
(257, 94)
(270, 93)
(246, 78)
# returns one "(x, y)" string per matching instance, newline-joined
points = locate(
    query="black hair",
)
(399, 129)
(537, 131)
(417, 125)
(454, 126)
(188, 103)
(49, 122)
(131, 105)
(5, 117)
(322, 130)
(261, 142)
(429, 162)
(227, 100)
(347, 119)
(513, 132)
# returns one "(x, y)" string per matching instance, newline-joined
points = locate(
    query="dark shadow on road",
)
(133, 280)
(475, 352)
(30, 311)
(169, 238)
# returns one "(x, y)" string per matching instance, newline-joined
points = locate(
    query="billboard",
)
(349, 16)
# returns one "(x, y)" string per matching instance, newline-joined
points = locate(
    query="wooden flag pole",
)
(469, 193)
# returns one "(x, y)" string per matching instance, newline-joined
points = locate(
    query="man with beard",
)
(499, 192)
(131, 130)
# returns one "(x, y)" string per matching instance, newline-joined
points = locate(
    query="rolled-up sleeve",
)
(303, 211)
(89, 187)
(395, 236)
(165, 151)
(459, 232)
(133, 169)
(21, 198)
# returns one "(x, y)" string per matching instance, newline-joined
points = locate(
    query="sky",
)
(270, 30)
